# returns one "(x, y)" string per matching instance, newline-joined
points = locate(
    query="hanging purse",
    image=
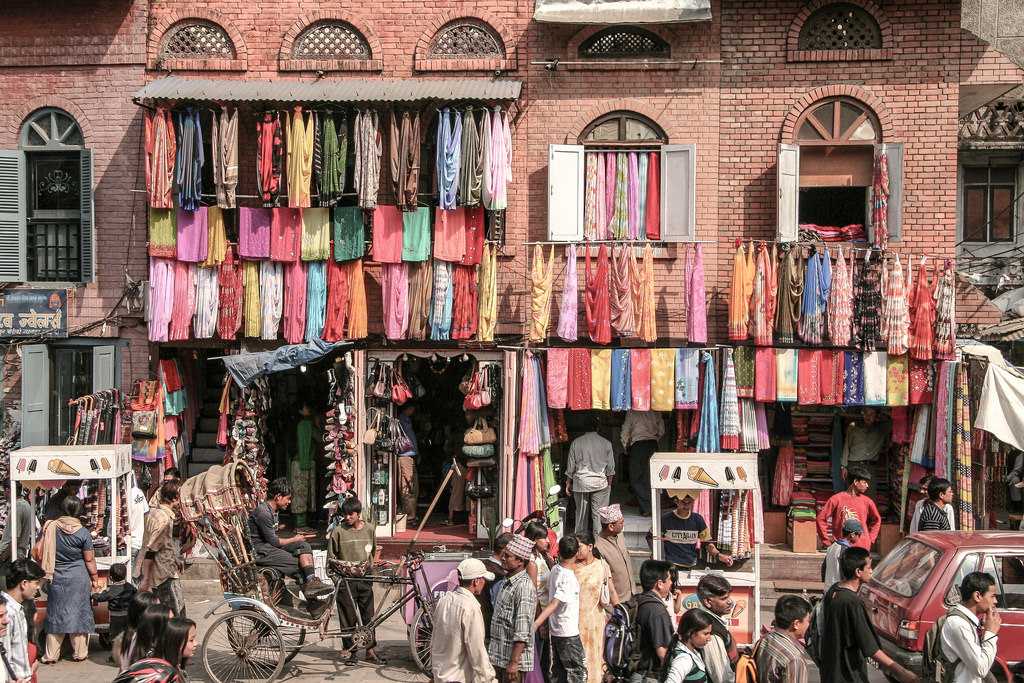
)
(485, 385)
(466, 385)
(403, 444)
(473, 400)
(144, 416)
(480, 433)
(382, 387)
(400, 392)
(370, 435)
(385, 437)
(480, 451)
(479, 491)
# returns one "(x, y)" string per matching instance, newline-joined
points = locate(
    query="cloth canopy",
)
(622, 11)
(245, 367)
(1001, 408)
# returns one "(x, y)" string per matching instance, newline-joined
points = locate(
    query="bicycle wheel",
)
(243, 645)
(420, 631)
(292, 637)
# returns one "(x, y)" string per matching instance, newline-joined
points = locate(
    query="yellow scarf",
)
(68, 525)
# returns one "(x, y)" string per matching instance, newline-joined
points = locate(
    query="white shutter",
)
(88, 213)
(894, 152)
(789, 192)
(104, 368)
(35, 395)
(12, 216)
(565, 193)
(678, 192)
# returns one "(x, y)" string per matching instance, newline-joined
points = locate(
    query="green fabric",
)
(416, 234)
(549, 481)
(335, 151)
(304, 434)
(349, 233)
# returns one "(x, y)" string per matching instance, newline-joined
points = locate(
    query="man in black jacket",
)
(653, 619)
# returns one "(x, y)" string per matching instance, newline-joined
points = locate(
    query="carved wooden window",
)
(466, 39)
(331, 40)
(624, 42)
(194, 39)
(838, 121)
(840, 26)
(623, 127)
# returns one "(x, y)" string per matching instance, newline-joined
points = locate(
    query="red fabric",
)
(782, 483)
(465, 313)
(337, 301)
(922, 325)
(921, 382)
(843, 506)
(652, 209)
(599, 325)
(682, 429)
(830, 374)
(579, 394)
(269, 141)
(285, 234)
(900, 425)
(387, 235)
(764, 374)
(229, 281)
(474, 236)
(640, 378)
(809, 368)
(172, 380)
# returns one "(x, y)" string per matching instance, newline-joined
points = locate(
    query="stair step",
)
(210, 410)
(206, 440)
(208, 424)
(213, 456)
(195, 468)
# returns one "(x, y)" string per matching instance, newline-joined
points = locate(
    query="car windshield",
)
(906, 568)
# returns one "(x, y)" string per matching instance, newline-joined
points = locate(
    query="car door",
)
(1008, 570)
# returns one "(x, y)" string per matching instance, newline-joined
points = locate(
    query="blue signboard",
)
(34, 313)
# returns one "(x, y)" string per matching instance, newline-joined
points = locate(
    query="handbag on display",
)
(466, 385)
(400, 392)
(481, 462)
(479, 491)
(382, 387)
(485, 385)
(144, 415)
(370, 435)
(402, 442)
(372, 373)
(480, 451)
(473, 400)
(480, 433)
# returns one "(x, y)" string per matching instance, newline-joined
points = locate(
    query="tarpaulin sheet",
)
(245, 367)
(622, 11)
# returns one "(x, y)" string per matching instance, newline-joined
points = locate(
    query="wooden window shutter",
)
(12, 216)
(88, 218)
(789, 193)
(105, 368)
(565, 193)
(678, 192)
(894, 152)
(35, 395)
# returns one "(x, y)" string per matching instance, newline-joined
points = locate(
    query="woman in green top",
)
(302, 468)
(684, 661)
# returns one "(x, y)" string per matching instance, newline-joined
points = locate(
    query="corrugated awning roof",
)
(329, 90)
(1010, 330)
(622, 11)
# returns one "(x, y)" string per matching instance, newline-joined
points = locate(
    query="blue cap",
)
(852, 526)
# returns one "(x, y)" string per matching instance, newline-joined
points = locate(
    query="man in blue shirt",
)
(682, 529)
(408, 485)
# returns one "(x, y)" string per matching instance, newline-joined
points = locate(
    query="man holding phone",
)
(972, 655)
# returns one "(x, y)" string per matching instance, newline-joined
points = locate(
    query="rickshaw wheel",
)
(243, 645)
(420, 632)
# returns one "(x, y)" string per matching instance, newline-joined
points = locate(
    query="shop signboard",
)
(33, 313)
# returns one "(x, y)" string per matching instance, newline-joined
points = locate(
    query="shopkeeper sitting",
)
(689, 528)
(865, 440)
(290, 556)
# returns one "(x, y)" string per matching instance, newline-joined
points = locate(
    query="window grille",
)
(51, 128)
(624, 43)
(840, 26)
(198, 40)
(331, 40)
(466, 39)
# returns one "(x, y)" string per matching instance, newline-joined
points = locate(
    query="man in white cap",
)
(457, 650)
(613, 549)
(511, 646)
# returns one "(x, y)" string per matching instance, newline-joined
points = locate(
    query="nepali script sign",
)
(33, 313)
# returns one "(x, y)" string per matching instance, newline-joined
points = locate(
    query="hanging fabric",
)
(687, 378)
(640, 378)
(943, 413)
(600, 379)
(579, 392)
(366, 177)
(161, 152)
(449, 141)
(840, 304)
(386, 246)
(465, 307)
(488, 294)
(188, 167)
(875, 372)
(450, 235)
(945, 314)
(809, 374)
(830, 371)
(620, 215)
(922, 382)
(540, 299)
(193, 235)
(642, 192)
(787, 369)
(163, 233)
(299, 164)
(224, 149)
(922, 327)
(316, 299)
(470, 171)
(416, 234)
(441, 309)
(253, 233)
(217, 241)
(897, 381)
(558, 378)
(500, 159)
(357, 320)
(334, 150)
(696, 314)
(853, 378)
(652, 211)
(336, 309)
(634, 225)
(880, 200)
(868, 303)
(594, 220)
(762, 299)
(743, 274)
(349, 233)
(663, 379)
(184, 303)
(707, 436)
(598, 311)
(729, 415)
(485, 158)
(161, 297)
(610, 174)
(421, 287)
(895, 325)
(621, 384)
(817, 283)
(394, 293)
(529, 434)
(316, 234)
(568, 313)
(765, 384)
(207, 302)
(229, 282)
(404, 155)
(748, 426)
(791, 288)
(294, 310)
(648, 325)
(285, 234)
(743, 360)
(269, 158)
(623, 317)
(962, 448)
(271, 293)
(474, 241)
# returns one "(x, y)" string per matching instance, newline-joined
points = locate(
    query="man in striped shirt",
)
(779, 656)
(511, 646)
(934, 514)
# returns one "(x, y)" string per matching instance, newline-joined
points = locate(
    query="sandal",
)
(376, 659)
(48, 662)
(83, 659)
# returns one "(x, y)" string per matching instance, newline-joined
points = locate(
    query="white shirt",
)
(832, 562)
(591, 462)
(684, 660)
(960, 644)
(457, 651)
(564, 587)
(138, 506)
(916, 519)
(17, 639)
(716, 657)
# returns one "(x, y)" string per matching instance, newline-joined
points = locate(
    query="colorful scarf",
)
(567, 313)
(707, 435)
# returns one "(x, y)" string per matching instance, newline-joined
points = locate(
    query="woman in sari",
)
(596, 593)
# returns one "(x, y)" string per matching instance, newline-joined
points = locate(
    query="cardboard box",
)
(802, 536)
(888, 537)
(775, 527)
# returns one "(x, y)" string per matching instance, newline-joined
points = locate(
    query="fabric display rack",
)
(292, 267)
(159, 415)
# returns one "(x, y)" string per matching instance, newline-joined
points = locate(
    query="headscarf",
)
(68, 525)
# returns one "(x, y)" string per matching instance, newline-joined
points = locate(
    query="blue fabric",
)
(441, 328)
(622, 386)
(245, 367)
(707, 437)
(189, 163)
(542, 403)
(316, 299)
(824, 281)
(68, 609)
(853, 378)
(687, 376)
(449, 152)
(809, 304)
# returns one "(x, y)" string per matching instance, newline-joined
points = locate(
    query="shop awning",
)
(622, 11)
(329, 90)
(245, 367)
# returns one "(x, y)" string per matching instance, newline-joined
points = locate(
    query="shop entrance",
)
(417, 402)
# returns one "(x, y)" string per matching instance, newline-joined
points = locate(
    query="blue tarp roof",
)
(245, 367)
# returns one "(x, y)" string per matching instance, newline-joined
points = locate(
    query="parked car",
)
(919, 580)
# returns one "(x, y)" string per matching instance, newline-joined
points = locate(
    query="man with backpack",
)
(720, 654)
(653, 625)
(848, 638)
(779, 656)
(960, 655)
(852, 530)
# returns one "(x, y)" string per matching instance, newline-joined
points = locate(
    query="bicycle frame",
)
(416, 580)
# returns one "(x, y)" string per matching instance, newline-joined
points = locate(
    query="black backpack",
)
(622, 639)
(813, 636)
